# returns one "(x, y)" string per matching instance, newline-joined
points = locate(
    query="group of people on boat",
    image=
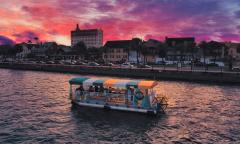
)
(132, 96)
(117, 94)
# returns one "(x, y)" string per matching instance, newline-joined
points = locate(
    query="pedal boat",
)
(117, 94)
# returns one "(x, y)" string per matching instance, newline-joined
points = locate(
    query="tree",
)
(145, 51)
(18, 48)
(192, 49)
(216, 49)
(4, 49)
(162, 50)
(36, 39)
(53, 49)
(80, 48)
(7, 50)
(203, 46)
(136, 44)
(94, 54)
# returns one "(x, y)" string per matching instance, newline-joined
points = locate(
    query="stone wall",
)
(216, 77)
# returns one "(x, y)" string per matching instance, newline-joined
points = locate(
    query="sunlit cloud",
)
(122, 19)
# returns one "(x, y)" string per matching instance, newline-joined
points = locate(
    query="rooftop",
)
(118, 44)
(181, 39)
(85, 32)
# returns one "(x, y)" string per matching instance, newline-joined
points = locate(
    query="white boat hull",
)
(112, 107)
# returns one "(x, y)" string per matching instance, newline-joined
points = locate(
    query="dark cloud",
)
(237, 14)
(25, 36)
(173, 8)
(238, 29)
(158, 37)
(124, 19)
(229, 37)
(39, 12)
(5, 41)
(104, 6)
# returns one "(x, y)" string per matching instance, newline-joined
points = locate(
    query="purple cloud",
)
(5, 41)
(237, 14)
(25, 36)
(204, 19)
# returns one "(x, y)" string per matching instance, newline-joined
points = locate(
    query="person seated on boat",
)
(137, 97)
(81, 91)
(91, 89)
(78, 93)
(110, 90)
(81, 88)
(127, 95)
(101, 89)
(131, 93)
(146, 100)
(96, 89)
(105, 93)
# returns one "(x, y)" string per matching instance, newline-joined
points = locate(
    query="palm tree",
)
(136, 44)
(29, 41)
(144, 50)
(215, 49)
(162, 50)
(36, 39)
(205, 48)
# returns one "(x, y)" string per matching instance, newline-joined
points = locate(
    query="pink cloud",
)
(123, 19)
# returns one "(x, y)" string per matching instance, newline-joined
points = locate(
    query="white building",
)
(26, 50)
(91, 37)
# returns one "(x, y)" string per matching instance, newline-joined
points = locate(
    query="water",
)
(34, 108)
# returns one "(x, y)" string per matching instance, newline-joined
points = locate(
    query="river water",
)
(34, 108)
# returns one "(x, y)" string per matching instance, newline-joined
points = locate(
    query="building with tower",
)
(91, 37)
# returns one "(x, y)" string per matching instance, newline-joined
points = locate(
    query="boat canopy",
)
(114, 83)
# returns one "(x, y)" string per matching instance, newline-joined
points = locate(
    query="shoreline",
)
(190, 76)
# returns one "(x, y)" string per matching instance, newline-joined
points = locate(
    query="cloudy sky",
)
(52, 20)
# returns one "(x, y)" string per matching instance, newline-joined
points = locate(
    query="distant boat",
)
(117, 94)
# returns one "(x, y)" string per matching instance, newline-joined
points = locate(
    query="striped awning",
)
(114, 83)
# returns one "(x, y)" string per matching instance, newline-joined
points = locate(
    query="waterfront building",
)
(132, 56)
(150, 53)
(90, 37)
(116, 51)
(27, 49)
(40, 51)
(233, 50)
(185, 41)
(180, 49)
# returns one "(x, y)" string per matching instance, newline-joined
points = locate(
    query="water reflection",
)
(114, 125)
(35, 109)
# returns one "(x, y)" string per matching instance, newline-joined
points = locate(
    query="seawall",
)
(209, 77)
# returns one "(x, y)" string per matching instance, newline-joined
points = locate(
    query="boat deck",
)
(110, 102)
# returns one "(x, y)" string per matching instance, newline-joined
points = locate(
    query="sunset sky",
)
(52, 20)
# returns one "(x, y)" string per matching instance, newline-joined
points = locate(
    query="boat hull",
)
(115, 107)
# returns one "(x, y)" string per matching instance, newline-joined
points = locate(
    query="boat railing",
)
(116, 97)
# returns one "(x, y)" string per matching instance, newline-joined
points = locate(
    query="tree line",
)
(211, 48)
